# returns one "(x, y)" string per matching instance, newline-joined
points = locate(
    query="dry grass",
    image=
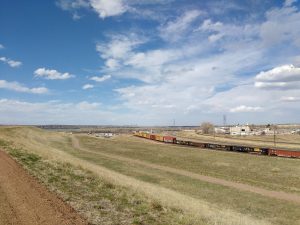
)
(197, 199)
(244, 168)
(282, 141)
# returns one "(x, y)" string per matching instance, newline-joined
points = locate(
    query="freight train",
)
(223, 147)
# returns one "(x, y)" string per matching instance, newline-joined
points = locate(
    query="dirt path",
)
(24, 201)
(240, 186)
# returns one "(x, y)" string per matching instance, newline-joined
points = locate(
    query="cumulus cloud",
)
(87, 86)
(103, 8)
(215, 70)
(50, 74)
(284, 77)
(100, 79)
(15, 86)
(243, 108)
(10, 62)
(106, 8)
(112, 8)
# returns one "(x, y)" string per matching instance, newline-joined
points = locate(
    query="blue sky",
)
(148, 62)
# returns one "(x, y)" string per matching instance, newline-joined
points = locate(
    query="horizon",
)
(148, 63)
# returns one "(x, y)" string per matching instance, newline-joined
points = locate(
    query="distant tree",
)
(252, 127)
(207, 128)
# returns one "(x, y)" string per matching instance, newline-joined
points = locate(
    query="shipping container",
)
(152, 136)
(159, 138)
(169, 139)
(284, 153)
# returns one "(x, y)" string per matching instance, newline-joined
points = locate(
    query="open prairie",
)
(171, 184)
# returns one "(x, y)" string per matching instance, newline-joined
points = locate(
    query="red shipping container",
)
(169, 139)
(152, 136)
(284, 153)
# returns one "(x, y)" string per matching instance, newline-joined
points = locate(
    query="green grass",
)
(267, 172)
(225, 197)
(271, 173)
(100, 201)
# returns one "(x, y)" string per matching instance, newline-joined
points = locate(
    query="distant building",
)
(222, 130)
(240, 130)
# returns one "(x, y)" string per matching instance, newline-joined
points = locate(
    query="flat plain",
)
(179, 185)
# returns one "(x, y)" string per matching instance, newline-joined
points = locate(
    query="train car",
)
(183, 142)
(198, 144)
(152, 136)
(169, 139)
(159, 138)
(138, 134)
(264, 151)
(240, 148)
(284, 153)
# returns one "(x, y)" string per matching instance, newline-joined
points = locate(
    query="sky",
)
(149, 62)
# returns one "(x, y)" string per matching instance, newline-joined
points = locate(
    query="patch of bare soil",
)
(24, 201)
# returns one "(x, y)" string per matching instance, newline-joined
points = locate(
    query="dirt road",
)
(24, 201)
(240, 186)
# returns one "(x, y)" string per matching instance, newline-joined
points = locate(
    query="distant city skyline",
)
(149, 62)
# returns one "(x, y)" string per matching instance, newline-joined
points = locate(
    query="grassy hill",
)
(159, 176)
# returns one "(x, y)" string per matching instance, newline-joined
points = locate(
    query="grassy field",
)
(289, 141)
(169, 197)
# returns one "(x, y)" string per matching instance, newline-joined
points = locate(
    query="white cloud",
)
(218, 30)
(282, 25)
(111, 8)
(1, 46)
(11, 62)
(100, 79)
(174, 29)
(243, 108)
(210, 26)
(103, 8)
(15, 86)
(112, 63)
(289, 2)
(72, 4)
(55, 112)
(52, 74)
(88, 106)
(290, 99)
(284, 77)
(87, 86)
(106, 8)
(119, 47)
(210, 73)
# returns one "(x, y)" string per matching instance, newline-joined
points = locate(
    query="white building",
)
(240, 130)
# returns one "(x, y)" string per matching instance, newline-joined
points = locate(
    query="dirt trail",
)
(243, 187)
(24, 201)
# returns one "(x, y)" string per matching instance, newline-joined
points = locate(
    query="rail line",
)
(222, 146)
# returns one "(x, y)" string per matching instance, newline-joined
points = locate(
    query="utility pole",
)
(274, 128)
(224, 120)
